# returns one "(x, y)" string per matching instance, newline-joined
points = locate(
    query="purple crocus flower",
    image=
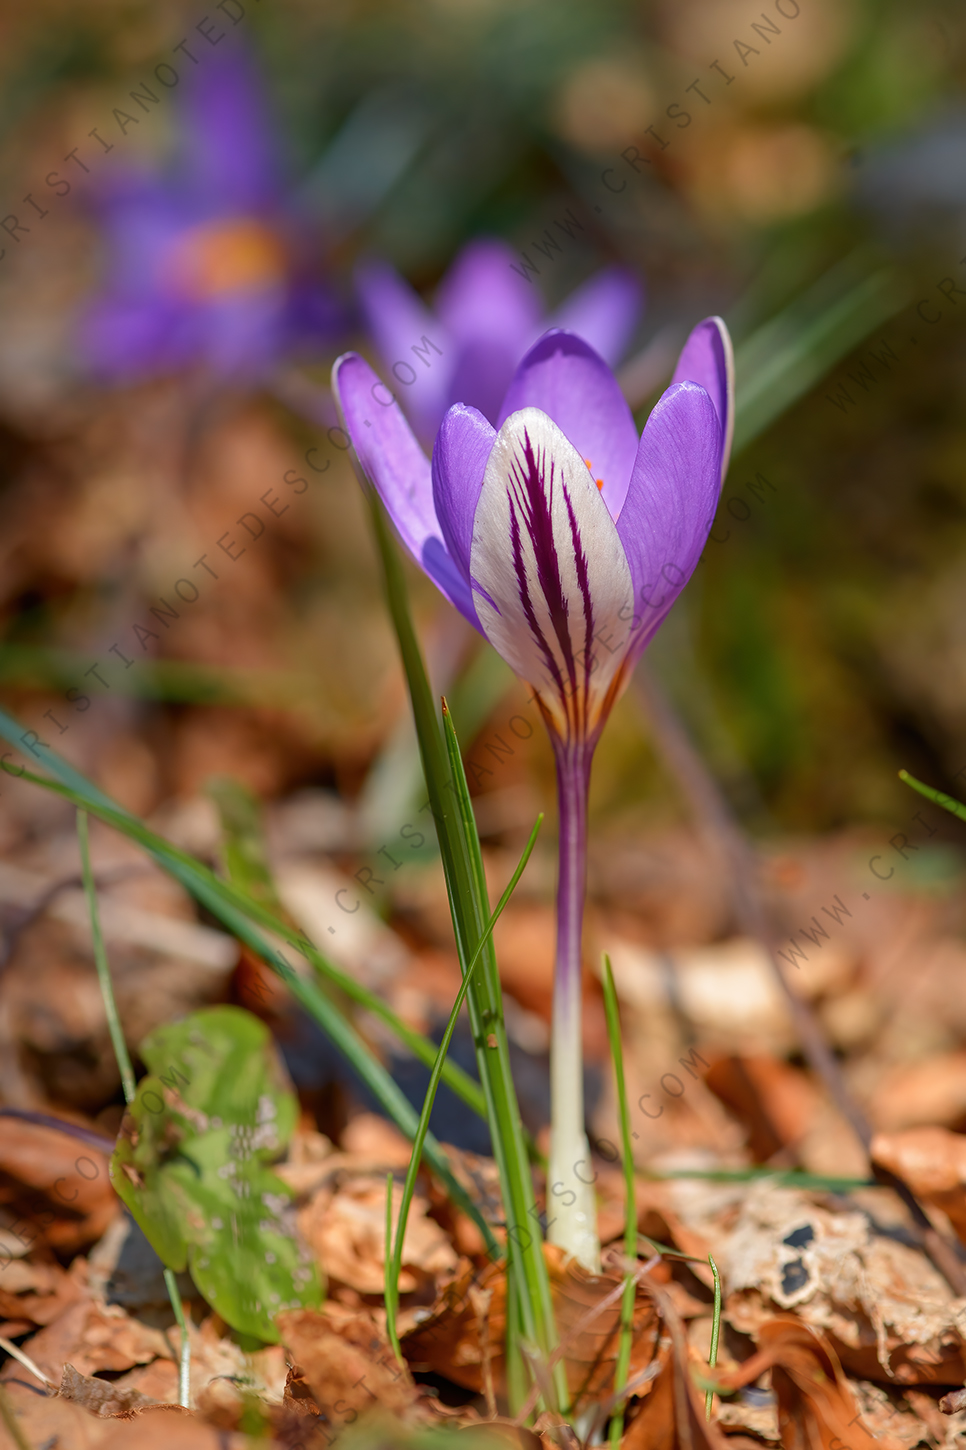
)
(205, 265)
(565, 540)
(487, 315)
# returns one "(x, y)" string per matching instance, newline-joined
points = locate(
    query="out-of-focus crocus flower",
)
(203, 266)
(487, 316)
(565, 540)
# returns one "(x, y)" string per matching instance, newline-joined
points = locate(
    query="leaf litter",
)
(837, 1328)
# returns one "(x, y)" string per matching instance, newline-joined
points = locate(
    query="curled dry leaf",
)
(100, 1397)
(933, 1163)
(458, 1339)
(816, 1407)
(348, 1365)
(52, 1189)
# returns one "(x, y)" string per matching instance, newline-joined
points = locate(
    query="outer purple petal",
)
(563, 377)
(230, 151)
(707, 359)
(398, 322)
(463, 446)
(604, 312)
(400, 471)
(482, 296)
(670, 505)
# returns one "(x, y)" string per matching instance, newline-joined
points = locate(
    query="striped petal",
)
(550, 576)
(394, 462)
(707, 359)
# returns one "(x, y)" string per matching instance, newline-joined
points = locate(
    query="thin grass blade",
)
(938, 797)
(612, 1012)
(715, 1331)
(409, 1186)
(469, 906)
(103, 968)
(234, 912)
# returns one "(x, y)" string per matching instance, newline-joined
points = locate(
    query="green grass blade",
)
(948, 802)
(103, 969)
(469, 906)
(784, 1177)
(536, 1303)
(715, 1332)
(127, 1076)
(612, 1012)
(390, 1282)
(790, 353)
(234, 912)
(409, 1186)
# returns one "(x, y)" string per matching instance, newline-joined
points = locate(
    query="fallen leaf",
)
(344, 1225)
(52, 1188)
(933, 1163)
(100, 1397)
(815, 1403)
(349, 1368)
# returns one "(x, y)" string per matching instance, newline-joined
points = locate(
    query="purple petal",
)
(230, 151)
(397, 466)
(482, 296)
(483, 372)
(563, 377)
(463, 446)
(549, 573)
(399, 322)
(707, 359)
(670, 504)
(604, 312)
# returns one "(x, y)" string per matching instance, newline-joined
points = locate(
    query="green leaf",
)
(237, 913)
(192, 1166)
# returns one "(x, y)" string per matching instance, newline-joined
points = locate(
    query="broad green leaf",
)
(192, 1165)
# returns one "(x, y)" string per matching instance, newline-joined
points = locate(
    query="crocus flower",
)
(487, 315)
(203, 266)
(565, 540)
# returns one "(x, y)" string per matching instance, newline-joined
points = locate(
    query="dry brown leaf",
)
(35, 1290)
(58, 1189)
(349, 1368)
(345, 1227)
(100, 1397)
(882, 1306)
(816, 1408)
(468, 1327)
(775, 1103)
(94, 1337)
(933, 1163)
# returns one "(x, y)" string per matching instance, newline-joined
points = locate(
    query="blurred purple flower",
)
(487, 316)
(207, 264)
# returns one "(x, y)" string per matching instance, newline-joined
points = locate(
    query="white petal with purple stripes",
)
(551, 582)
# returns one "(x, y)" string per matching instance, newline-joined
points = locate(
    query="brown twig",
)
(721, 830)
